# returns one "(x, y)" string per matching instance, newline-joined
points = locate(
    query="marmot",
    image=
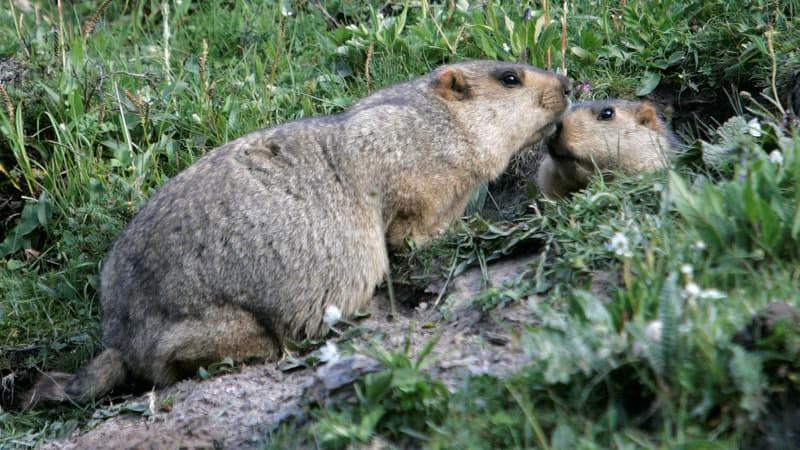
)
(247, 247)
(610, 135)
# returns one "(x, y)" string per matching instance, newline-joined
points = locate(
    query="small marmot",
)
(611, 135)
(247, 247)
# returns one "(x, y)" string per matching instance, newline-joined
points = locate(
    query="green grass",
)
(101, 121)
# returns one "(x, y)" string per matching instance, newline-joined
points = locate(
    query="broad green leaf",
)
(648, 82)
(582, 53)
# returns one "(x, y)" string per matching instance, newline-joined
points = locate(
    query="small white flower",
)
(329, 353)
(699, 245)
(152, 48)
(712, 294)
(151, 402)
(144, 94)
(687, 270)
(692, 289)
(506, 48)
(653, 330)
(332, 315)
(754, 127)
(776, 157)
(619, 245)
(62, 126)
(196, 118)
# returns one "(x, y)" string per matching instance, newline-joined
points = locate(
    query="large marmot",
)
(247, 247)
(610, 135)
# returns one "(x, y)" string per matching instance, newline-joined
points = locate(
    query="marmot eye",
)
(510, 79)
(606, 114)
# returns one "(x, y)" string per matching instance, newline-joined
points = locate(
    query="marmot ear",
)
(647, 115)
(450, 84)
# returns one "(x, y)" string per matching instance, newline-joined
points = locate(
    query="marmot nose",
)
(566, 85)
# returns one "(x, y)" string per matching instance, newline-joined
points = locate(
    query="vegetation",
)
(117, 97)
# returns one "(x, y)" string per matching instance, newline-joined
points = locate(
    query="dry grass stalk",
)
(547, 22)
(8, 103)
(91, 23)
(564, 40)
(774, 73)
(140, 105)
(367, 62)
(61, 46)
(202, 61)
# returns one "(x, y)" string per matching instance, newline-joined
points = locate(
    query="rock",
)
(334, 377)
(11, 71)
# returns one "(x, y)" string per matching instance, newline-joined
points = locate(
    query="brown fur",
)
(246, 248)
(633, 140)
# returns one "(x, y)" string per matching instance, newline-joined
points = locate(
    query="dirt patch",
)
(237, 410)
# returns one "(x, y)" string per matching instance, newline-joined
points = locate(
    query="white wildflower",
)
(506, 48)
(196, 118)
(151, 403)
(712, 294)
(653, 330)
(692, 289)
(754, 127)
(145, 94)
(776, 157)
(62, 126)
(687, 270)
(329, 353)
(619, 245)
(699, 245)
(332, 315)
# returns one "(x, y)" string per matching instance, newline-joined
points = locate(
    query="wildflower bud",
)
(332, 315)
(329, 353)
(653, 330)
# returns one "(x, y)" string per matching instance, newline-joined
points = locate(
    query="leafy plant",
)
(35, 216)
(754, 215)
(400, 401)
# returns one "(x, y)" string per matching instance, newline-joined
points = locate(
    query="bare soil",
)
(237, 410)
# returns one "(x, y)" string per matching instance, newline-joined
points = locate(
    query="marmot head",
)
(503, 107)
(612, 135)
